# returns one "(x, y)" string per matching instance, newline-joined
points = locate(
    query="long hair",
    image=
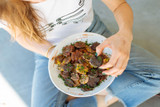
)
(21, 16)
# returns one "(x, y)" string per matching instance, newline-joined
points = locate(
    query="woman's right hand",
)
(120, 43)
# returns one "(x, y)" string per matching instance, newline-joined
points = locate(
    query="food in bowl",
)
(79, 65)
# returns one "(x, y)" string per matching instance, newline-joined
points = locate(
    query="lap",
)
(144, 63)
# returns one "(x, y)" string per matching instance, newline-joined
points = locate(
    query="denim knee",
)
(83, 102)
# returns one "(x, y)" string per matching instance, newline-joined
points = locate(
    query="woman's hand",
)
(120, 43)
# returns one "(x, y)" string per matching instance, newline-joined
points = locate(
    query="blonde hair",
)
(22, 16)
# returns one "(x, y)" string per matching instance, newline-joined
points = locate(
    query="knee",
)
(150, 77)
(84, 102)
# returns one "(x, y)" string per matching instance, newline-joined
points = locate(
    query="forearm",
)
(123, 15)
(40, 48)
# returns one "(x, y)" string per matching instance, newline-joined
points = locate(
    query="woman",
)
(38, 25)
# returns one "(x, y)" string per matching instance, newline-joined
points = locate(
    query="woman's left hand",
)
(120, 43)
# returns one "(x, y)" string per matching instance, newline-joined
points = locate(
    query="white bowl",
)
(54, 72)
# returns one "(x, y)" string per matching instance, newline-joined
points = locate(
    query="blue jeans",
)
(139, 82)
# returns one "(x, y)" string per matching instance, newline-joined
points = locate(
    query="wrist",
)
(49, 51)
(128, 34)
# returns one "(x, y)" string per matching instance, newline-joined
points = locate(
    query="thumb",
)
(100, 48)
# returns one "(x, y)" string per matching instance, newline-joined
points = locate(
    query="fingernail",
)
(103, 73)
(96, 54)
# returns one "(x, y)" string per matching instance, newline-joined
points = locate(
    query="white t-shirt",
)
(67, 16)
(64, 17)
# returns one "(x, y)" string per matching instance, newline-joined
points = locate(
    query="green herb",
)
(67, 69)
(72, 44)
(63, 48)
(99, 71)
(99, 58)
(84, 72)
(86, 56)
(82, 77)
(93, 70)
(69, 78)
(60, 76)
(81, 68)
(98, 84)
(69, 64)
(86, 42)
(78, 86)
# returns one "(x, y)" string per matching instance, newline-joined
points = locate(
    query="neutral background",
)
(17, 64)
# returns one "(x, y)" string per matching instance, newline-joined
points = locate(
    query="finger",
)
(119, 72)
(123, 67)
(120, 62)
(116, 74)
(112, 61)
(100, 48)
(110, 71)
(117, 68)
